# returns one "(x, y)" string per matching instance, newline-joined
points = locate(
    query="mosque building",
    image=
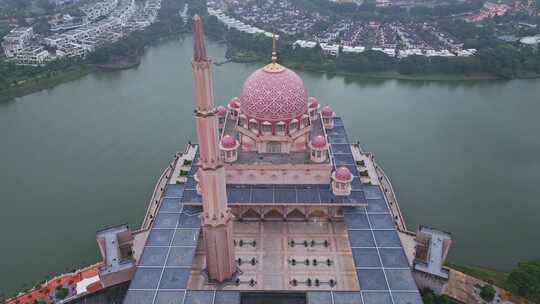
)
(275, 205)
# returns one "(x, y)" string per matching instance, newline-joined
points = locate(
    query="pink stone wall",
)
(278, 174)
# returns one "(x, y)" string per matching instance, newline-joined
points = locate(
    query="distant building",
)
(96, 10)
(353, 49)
(237, 24)
(530, 40)
(17, 40)
(304, 44)
(330, 49)
(63, 2)
(387, 51)
(35, 56)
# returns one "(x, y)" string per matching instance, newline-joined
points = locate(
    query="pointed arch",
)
(318, 213)
(296, 214)
(273, 214)
(251, 213)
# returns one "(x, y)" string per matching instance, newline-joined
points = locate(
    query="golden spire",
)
(274, 66)
(274, 48)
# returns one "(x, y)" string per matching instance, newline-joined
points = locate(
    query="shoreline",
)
(39, 84)
(390, 74)
(31, 86)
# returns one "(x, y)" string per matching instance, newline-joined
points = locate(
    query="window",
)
(305, 121)
(280, 128)
(267, 128)
(253, 126)
(293, 126)
(273, 147)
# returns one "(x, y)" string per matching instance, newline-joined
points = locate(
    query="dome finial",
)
(274, 48)
(274, 66)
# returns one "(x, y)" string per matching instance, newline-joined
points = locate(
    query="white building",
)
(330, 49)
(441, 53)
(17, 40)
(237, 24)
(353, 49)
(99, 9)
(387, 51)
(33, 56)
(410, 52)
(55, 40)
(304, 44)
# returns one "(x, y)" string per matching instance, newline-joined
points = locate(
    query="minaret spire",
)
(199, 50)
(216, 216)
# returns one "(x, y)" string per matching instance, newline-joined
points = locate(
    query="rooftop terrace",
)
(380, 265)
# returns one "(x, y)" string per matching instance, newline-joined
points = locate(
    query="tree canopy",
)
(525, 280)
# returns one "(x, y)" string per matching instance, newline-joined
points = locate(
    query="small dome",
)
(221, 111)
(234, 103)
(319, 142)
(228, 142)
(343, 174)
(313, 103)
(274, 95)
(327, 111)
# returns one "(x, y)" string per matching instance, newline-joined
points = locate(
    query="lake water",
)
(463, 157)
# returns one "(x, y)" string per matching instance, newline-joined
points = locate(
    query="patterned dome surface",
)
(319, 142)
(327, 111)
(274, 96)
(228, 142)
(343, 174)
(221, 111)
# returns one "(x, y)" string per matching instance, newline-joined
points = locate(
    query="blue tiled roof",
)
(382, 268)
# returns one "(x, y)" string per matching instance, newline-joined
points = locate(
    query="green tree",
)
(61, 292)
(487, 293)
(525, 280)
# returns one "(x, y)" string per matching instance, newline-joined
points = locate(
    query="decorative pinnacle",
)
(274, 66)
(274, 48)
(199, 50)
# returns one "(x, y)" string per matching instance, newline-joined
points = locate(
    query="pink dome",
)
(234, 103)
(343, 174)
(313, 103)
(327, 111)
(228, 142)
(221, 111)
(319, 142)
(274, 96)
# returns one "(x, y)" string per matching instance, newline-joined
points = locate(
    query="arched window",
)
(280, 128)
(243, 121)
(293, 126)
(305, 121)
(267, 128)
(253, 125)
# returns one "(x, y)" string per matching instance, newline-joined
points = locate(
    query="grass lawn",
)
(495, 277)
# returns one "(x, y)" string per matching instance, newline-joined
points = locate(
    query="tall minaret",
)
(216, 216)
